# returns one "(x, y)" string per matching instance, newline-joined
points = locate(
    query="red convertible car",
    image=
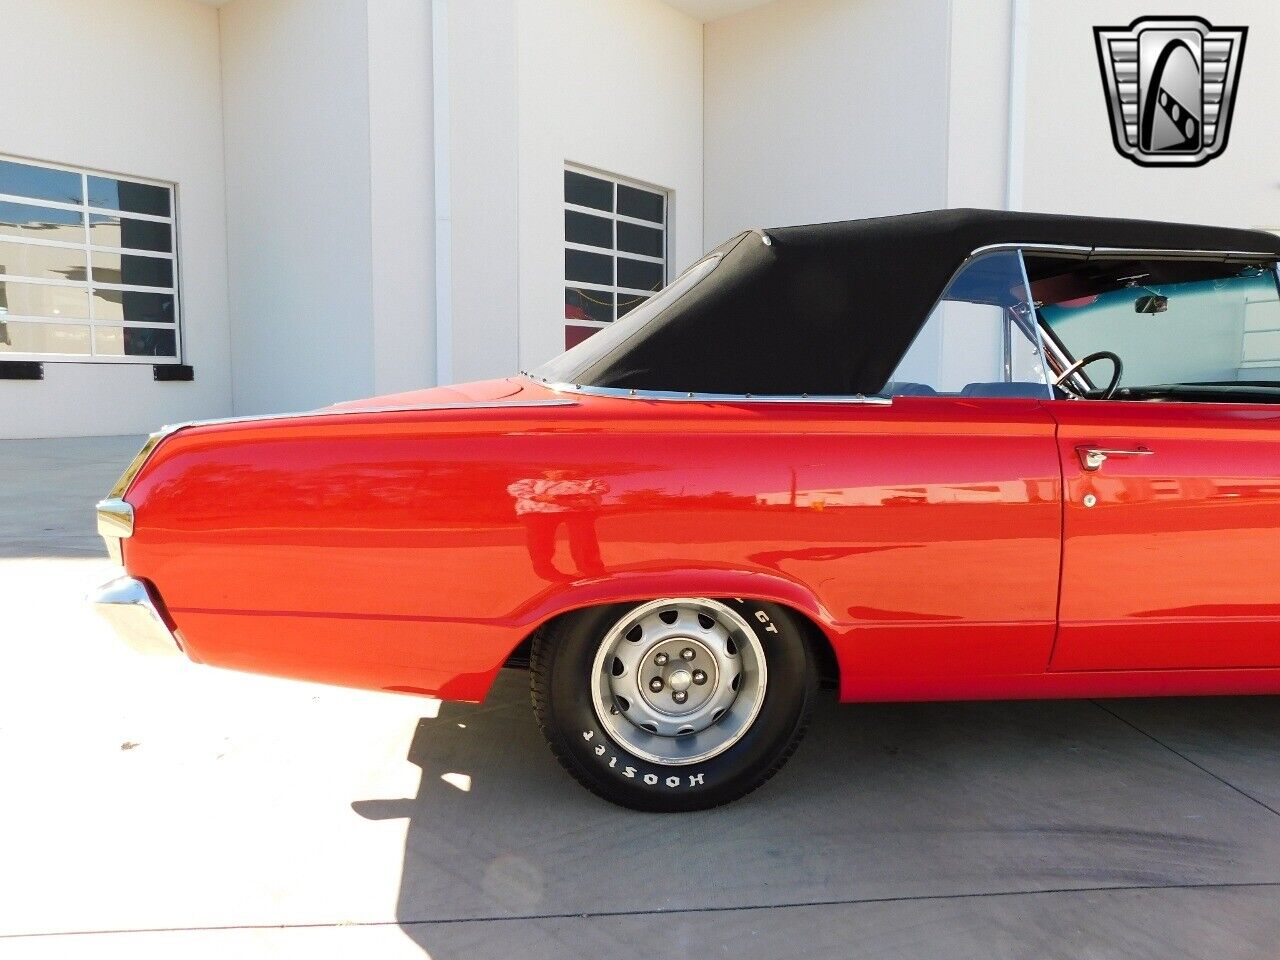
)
(962, 454)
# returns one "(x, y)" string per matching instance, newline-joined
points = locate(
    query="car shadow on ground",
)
(894, 801)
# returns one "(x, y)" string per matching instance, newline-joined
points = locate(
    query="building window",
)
(615, 249)
(88, 268)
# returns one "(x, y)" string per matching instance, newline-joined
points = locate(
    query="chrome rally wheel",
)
(673, 704)
(679, 681)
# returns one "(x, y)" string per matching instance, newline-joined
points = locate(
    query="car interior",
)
(1160, 329)
(1155, 329)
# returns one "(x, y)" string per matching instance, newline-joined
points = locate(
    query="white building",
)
(293, 202)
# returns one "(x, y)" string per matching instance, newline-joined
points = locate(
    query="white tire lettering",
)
(599, 749)
(588, 734)
(768, 624)
(652, 779)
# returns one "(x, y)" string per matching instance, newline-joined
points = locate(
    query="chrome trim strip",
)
(135, 465)
(115, 523)
(1211, 255)
(692, 397)
(1122, 252)
(1041, 247)
(333, 411)
(127, 604)
(1214, 255)
(139, 458)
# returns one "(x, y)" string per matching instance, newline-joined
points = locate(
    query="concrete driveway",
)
(153, 808)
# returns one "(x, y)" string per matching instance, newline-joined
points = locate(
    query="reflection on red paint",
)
(924, 538)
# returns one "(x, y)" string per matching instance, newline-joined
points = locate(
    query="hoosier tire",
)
(676, 704)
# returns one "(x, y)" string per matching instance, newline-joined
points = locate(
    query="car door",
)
(1171, 535)
(954, 579)
(1171, 519)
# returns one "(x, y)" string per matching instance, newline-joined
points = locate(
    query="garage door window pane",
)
(133, 305)
(41, 223)
(628, 302)
(132, 269)
(57, 338)
(643, 204)
(639, 274)
(589, 230)
(128, 196)
(588, 267)
(588, 304)
(633, 238)
(586, 191)
(43, 300)
(42, 262)
(42, 183)
(135, 342)
(109, 231)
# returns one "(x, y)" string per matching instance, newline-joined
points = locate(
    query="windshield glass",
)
(1173, 322)
(570, 365)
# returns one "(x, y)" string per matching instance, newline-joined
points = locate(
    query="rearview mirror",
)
(1151, 303)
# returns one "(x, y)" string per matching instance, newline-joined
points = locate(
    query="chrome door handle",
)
(1091, 458)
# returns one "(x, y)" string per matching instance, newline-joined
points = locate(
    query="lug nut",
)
(655, 684)
(686, 653)
(661, 659)
(699, 677)
(679, 696)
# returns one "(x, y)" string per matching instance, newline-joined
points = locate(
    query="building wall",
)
(825, 110)
(401, 194)
(481, 316)
(296, 113)
(615, 85)
(978, 103)
(134, 91)
(1069, 163)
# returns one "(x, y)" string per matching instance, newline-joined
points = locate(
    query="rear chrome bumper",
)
(128, 605)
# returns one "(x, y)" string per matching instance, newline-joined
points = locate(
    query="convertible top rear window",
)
(831, 309)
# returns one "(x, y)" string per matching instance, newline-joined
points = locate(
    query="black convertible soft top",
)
(830, 308)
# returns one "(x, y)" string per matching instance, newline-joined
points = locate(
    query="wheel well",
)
(819, 646)
(519, 658)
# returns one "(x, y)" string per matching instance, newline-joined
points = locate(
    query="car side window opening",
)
(979, 340)
(1185, 330)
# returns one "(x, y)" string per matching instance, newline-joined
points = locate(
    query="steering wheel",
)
(1064, 378)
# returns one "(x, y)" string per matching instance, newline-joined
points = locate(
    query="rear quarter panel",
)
(386, 549)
